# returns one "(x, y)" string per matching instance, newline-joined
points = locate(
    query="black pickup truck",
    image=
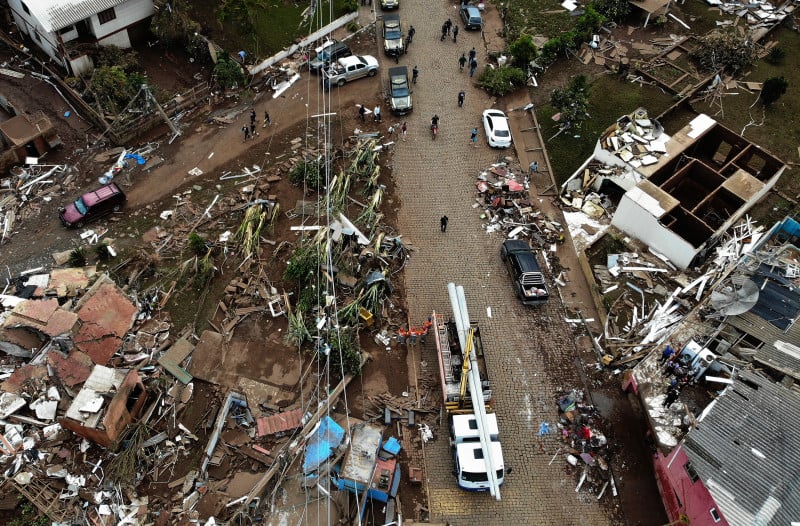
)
(525, 271)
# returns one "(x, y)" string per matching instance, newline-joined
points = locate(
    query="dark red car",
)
(92, 205)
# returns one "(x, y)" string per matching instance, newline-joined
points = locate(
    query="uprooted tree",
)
(725, 50)
(572, 103)
(773, 89)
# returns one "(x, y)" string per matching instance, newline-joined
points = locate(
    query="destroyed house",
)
(109, 400)
(741, 465)
(767, 332)
(366, 467)
(679, 193)
(67, 30)
(24, 136)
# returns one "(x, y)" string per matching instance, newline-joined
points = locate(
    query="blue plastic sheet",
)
(392, 445)
(322, 443)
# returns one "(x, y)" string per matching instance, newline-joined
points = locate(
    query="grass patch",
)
(536, 17)
(262, 28)
(780, 132)
(609, 98)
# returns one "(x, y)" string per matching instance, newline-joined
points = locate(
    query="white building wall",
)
(29, 25)
(127, 14)
(640, 223)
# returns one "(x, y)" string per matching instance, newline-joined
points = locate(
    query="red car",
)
(92, 205)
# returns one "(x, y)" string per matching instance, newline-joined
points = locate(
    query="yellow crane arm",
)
(465, 369)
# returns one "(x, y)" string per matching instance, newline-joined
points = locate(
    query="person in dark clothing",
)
(461, 96)
(472, 54)
(246, 132)
(444, 32)
(253, 129)
(252, 117)
(411, 33)
(443, 223)
(267, 120)
(672, 395)
(472, 67)
(455, 33)
(362, 111)
(414, 75)
(462, 62)
(449, 25)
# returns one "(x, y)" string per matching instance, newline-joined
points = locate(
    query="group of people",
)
(681, 375)
(447, 29)
(414, 334)
(473, 63)
(250, 131)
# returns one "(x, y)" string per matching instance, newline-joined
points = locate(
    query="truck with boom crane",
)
(467, 395)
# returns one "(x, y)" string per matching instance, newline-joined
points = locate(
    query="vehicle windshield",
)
(393, 32)
(501, 133)
(81, 206)
(399, 87)
(323, 56)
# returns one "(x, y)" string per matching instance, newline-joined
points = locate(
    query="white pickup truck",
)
(349, 68)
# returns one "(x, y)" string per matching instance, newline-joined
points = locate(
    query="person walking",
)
(390, 131)
(362, 111)
(404, 129)
(472, 67)
(444, 32)
(534, 167)
(443, 223)
(462, 62)
(267, 120)
(377, 113)
(411, 33)
(414, 75)
(672, 396)
(455, 33)
(461, 96)
(253, 129)
(474, 137)
(246, 132)
(252, 116)
(472, 54)
(449, 25)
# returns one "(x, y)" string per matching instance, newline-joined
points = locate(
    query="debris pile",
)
(762, 14)
(509, 208)
(584, 446)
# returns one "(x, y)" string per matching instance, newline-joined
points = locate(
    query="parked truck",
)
(467, 394)
(529, 282)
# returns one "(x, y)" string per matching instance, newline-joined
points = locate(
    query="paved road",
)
(531, 353)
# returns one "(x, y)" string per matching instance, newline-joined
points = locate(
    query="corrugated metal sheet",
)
(270, 425)
(778, 299)
(769, 354)
(58, 14)
(747, 452)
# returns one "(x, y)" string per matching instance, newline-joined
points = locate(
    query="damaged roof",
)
(106, 315)
(58, 14)
(746, 452)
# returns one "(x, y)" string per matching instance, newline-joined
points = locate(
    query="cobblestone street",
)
(531, 353)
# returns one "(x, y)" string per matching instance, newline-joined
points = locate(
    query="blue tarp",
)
(320, 446)
(392, 445)
(139, 158)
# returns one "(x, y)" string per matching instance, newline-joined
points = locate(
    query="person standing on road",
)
(461, 96)
(449, 25)
(246, 132)
(253, 129)
(404, 129)
(377, 113)
(443, 223)
(267, 120)
(472, 54)
(462, 62)
(474, 137)
(414, 75)
(455, 33)
(252, 117)
(362, 111)
(472, 67)
(411, 33)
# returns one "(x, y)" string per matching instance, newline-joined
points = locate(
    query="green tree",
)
(502, 80)
(113, 88)
(572, 102)
(523, 51)
(228, 73)
(772, 90)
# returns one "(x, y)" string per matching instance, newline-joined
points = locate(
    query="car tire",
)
(340, 83)
(116, 208)
(79, 224)
(372, 73)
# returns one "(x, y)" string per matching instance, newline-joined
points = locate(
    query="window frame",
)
(107, 15)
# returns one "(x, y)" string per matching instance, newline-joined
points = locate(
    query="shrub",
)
(344, 350)
(502, 80)
(102, 253)
(522, 51)
(308, 173)
(572, 101)
(350, 6)
(113, 88)
(725, 50)
(772, 90)
(612, 9)
(304, 264)
(775, 56)
(197, 244)
(228, 73)
(77, 258)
